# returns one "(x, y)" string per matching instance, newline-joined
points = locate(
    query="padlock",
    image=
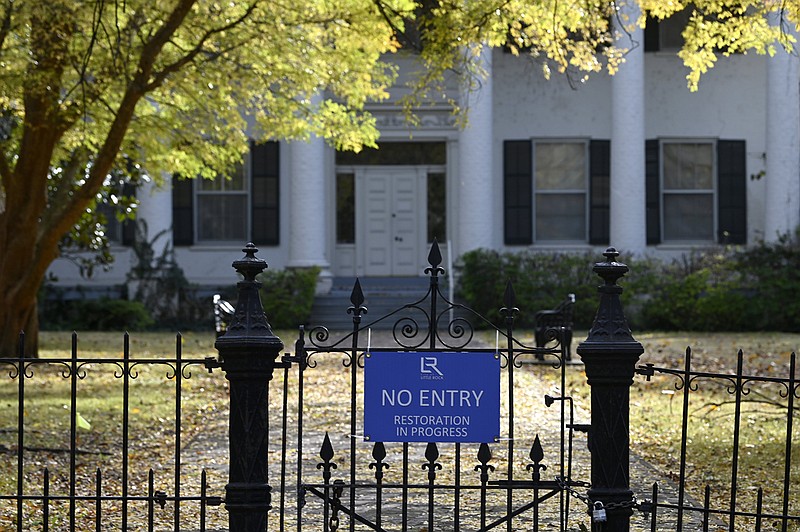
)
(599, 513)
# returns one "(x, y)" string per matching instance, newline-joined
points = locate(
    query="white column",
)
(627, 201)
(155, 210)
(782, 202)
(154, 217)
(308, 205)
(475, 148)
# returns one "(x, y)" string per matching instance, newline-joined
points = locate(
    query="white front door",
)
(390, 231)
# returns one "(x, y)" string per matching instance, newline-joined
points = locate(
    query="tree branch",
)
(412, 37)
(5, 169)
(5, 27)
(59, 200)
(97, 17)
(107, 154)
(161, 76)
(382, 10)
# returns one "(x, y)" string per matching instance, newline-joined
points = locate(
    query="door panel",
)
(377, 225)
(391, 222)
(405, 218)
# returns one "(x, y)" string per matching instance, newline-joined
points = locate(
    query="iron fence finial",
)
(610, 324)
(249, 265)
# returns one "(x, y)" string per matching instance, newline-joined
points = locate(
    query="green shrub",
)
(157, 280)
(706, 295)
(771, 274)
(731, 289)
(755, 288)
(540, 281)
(287, 296)
(116, 314)
(96, 315)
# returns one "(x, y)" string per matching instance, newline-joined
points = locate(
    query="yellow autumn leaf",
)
(82, 422)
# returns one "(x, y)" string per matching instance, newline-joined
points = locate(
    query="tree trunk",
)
(24, 263)
(30, 228)
(19, 317)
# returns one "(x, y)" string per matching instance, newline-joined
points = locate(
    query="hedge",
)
(724, 289)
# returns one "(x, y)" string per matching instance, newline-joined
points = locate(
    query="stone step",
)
(382, 296)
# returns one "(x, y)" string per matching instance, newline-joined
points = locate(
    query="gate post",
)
(609, 356)
(247, 354)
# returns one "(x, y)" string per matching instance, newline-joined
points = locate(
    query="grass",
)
(655, 420)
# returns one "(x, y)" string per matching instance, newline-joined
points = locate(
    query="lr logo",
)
(428, 367)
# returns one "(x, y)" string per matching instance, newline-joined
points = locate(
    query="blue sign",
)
(431, 397)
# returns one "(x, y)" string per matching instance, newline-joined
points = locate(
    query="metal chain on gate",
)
(598, 509)
(336, 503)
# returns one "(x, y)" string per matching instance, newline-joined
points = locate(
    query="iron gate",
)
(511, 483)
(501, 491)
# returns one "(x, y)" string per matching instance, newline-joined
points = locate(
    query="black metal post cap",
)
(249, 326)
(249, 265)
(610, 329)
(610, 270)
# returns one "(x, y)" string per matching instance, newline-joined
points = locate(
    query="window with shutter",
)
(666, 35)
(264, 200)
(687, 191)
(696, 191)
(182, 211)
(517, 192)
(118, 198)
(599, 191)
(222, 207)
(652, 192)
(547, 196)
(239, 207)
(732, 192)
(560, 189)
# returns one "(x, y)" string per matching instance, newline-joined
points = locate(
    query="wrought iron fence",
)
(738, 390)
(92, 468)
(64, 477)
(434, 485)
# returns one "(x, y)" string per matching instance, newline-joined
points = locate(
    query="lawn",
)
(655, 420)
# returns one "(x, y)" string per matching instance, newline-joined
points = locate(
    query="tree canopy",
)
(94, 91)
(725, 27)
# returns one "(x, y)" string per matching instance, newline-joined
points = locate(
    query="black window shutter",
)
(599, 191)
(731, 192)
(517, 192)
(182, 211)
(265, 194)
(652, 191)
(651, 35)
(128, 225)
